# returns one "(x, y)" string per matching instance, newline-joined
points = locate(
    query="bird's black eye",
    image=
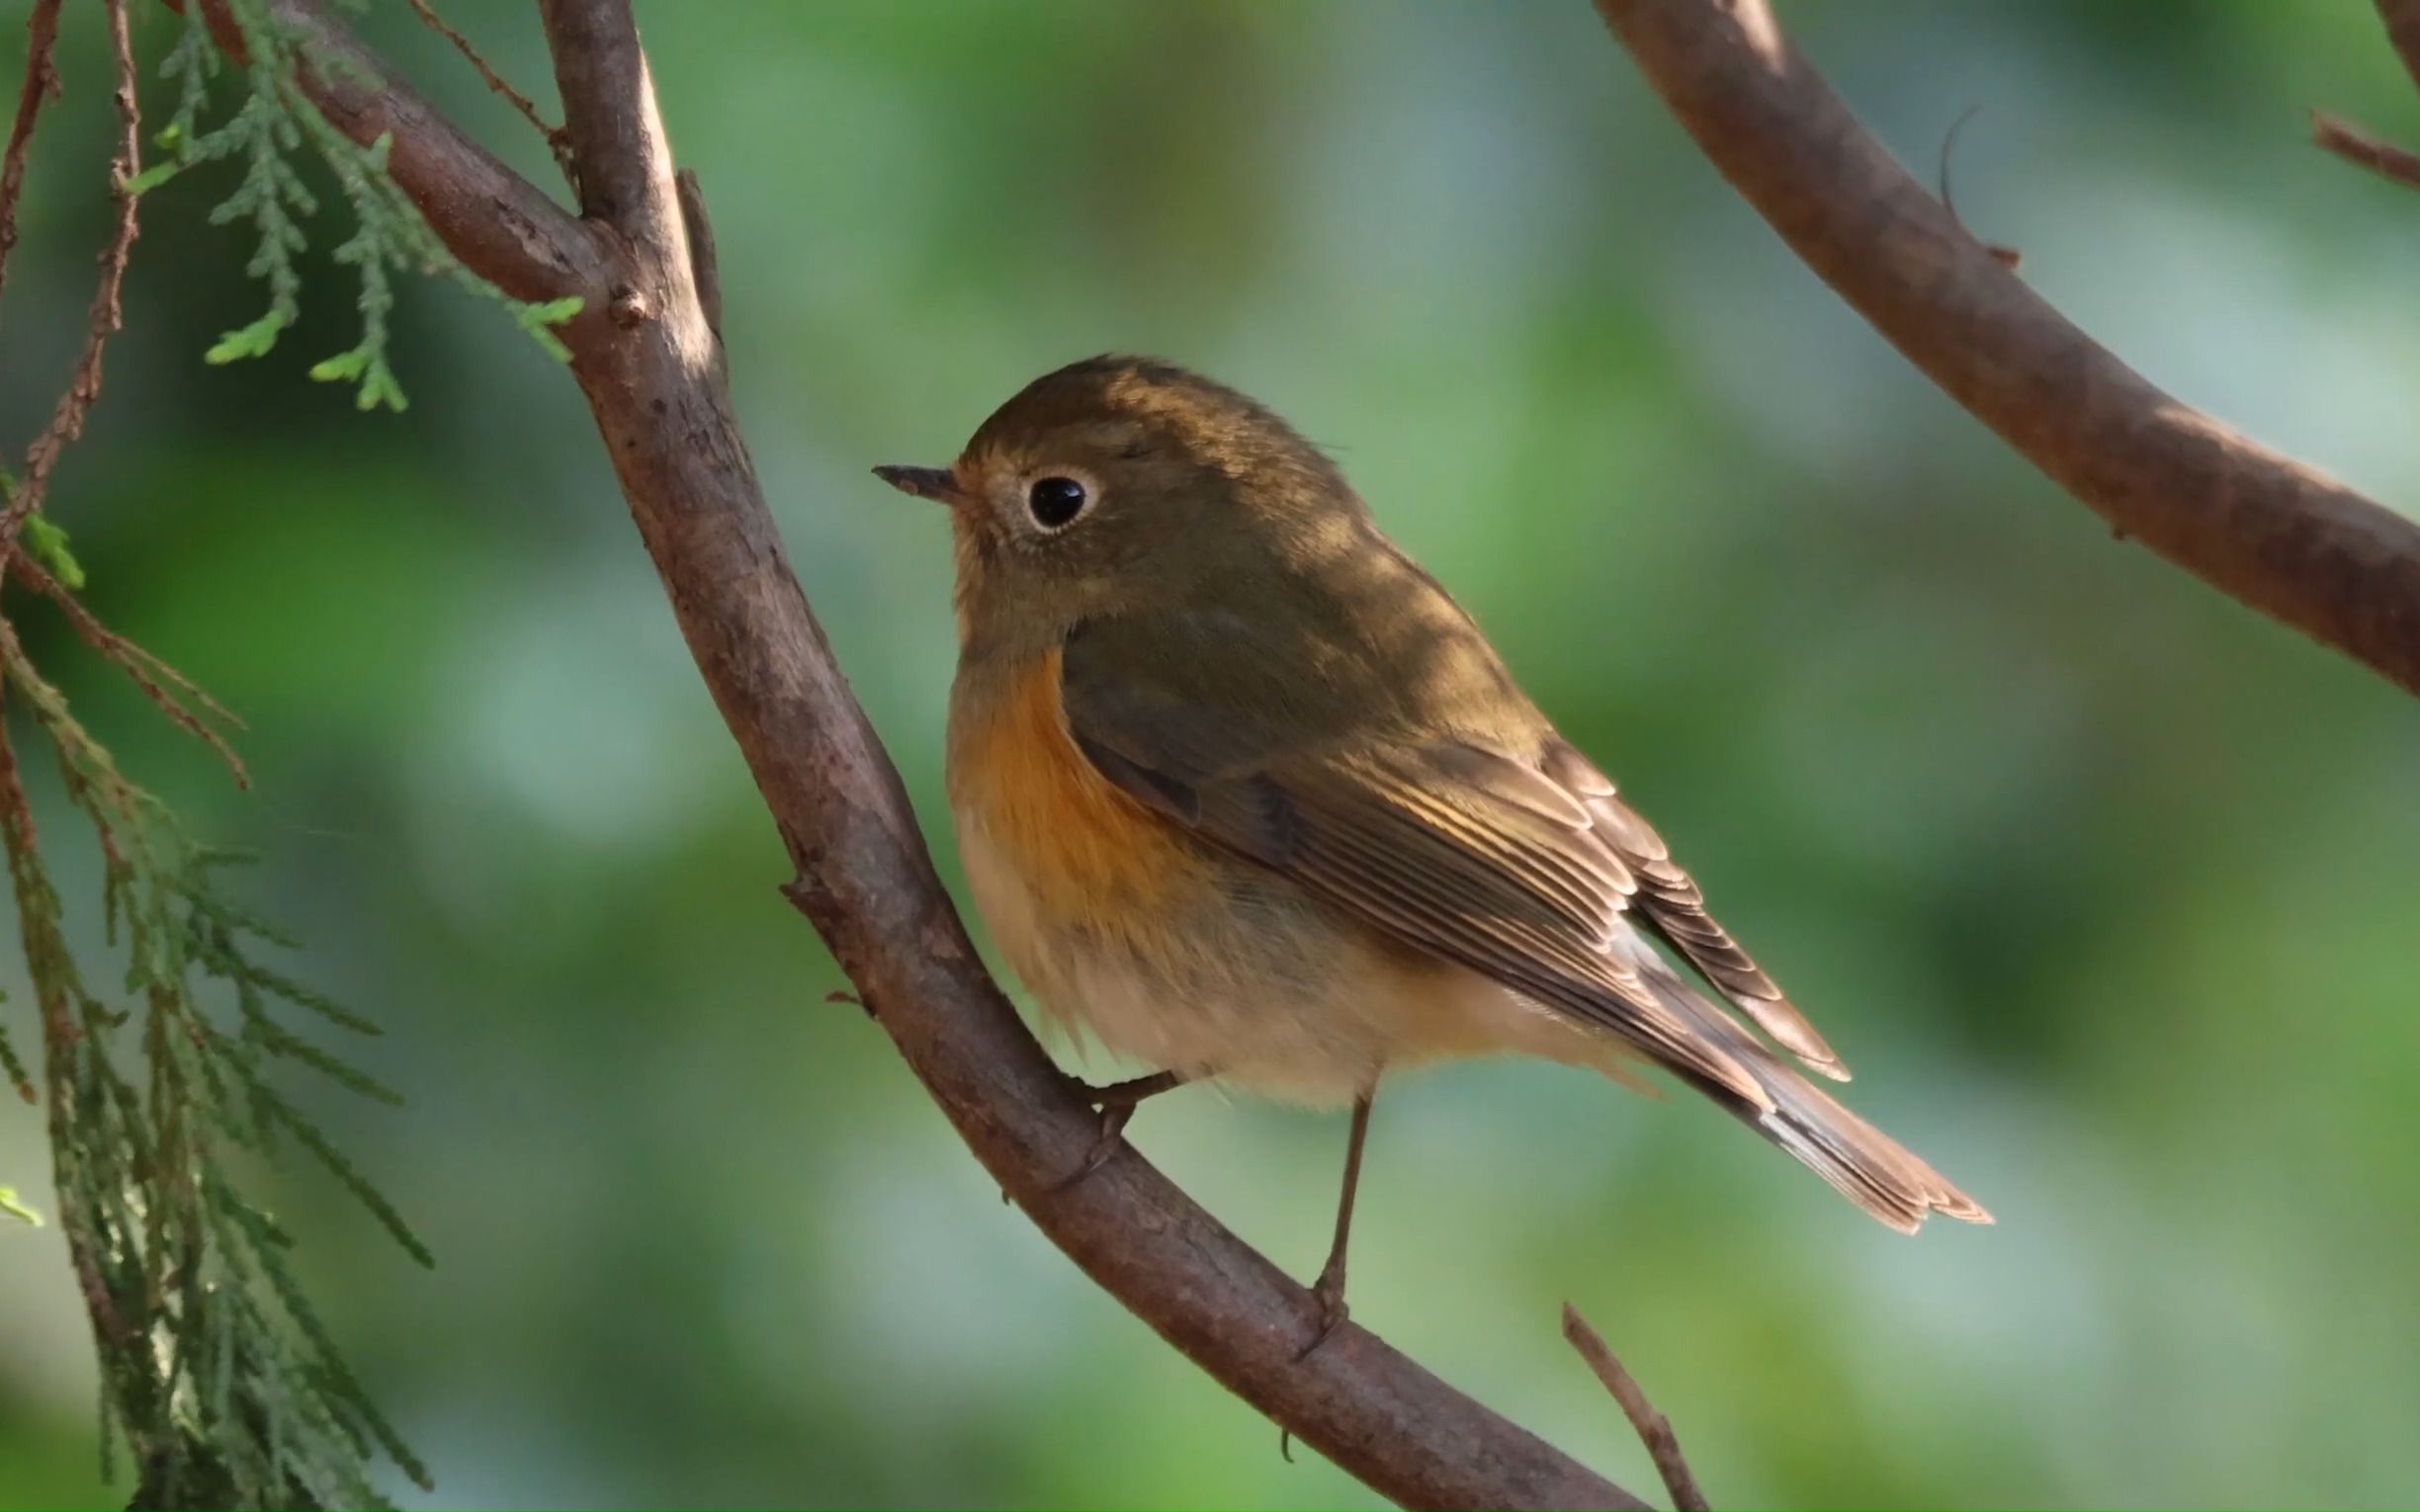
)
(1056, 501)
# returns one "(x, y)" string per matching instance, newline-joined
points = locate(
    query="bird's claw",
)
(1117, 1103)
(1328, 1292)
(1114, 1118)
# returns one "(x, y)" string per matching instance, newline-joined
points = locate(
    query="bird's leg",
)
(1329, 1290)
(1117, 1103)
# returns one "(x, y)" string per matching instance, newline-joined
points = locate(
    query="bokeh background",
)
(2110, 889)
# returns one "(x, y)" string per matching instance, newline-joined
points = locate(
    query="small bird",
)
(1244, 795)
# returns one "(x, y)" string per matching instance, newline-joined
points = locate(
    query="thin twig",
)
(19, 668)
(702, 261)
(84, 385)
(2336, 135)
(556, 142)
(149, 673)
(16, 838)
(1652, 1428)
(41, 85)
(2006, 257)
(2259, 526)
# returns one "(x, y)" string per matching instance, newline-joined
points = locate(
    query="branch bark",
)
(654, 373)
(2257, 526)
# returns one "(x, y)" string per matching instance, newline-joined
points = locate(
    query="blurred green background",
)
(2106, 886)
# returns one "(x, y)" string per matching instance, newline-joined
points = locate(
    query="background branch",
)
(2258, 526)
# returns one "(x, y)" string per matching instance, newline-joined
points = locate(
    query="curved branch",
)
(2258, 526)
(653, 373)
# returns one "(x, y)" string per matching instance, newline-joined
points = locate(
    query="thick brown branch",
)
(2280, 537)
(2360, 149)
(625, 166)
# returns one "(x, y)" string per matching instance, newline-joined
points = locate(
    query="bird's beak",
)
(938, 484)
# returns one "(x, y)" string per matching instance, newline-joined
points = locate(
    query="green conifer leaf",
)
(49, 544)
(18, 1209)
(254, 340)
(154, 175)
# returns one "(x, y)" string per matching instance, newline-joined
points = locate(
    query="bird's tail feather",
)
(1865, 1165)
(1862, 1162)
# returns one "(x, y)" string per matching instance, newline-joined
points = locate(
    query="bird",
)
(1243, 794)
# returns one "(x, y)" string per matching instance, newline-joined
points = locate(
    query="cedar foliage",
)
(165, 1075)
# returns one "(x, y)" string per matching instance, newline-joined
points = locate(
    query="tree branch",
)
(654, 377)
(2258, 526)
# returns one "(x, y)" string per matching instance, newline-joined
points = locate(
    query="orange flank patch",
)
(1083, 848)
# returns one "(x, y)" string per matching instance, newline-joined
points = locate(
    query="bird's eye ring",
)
(1055, 502)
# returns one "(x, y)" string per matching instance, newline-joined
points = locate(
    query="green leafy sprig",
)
(268, 133)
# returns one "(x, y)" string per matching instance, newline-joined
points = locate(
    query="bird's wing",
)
(1464, 851)
(1520, 864)
(1669, 902)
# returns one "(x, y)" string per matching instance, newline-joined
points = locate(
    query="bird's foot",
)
(1117, 1103)
(1328, 1292)
(1114, 1118)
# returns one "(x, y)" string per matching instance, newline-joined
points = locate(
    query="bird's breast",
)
(1173, 955)
(1087, 854)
